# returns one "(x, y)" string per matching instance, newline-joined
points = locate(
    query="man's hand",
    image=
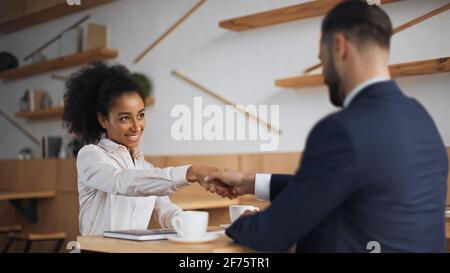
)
(198, 174)
(240, 183)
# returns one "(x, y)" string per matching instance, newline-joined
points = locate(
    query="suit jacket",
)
(373, 173)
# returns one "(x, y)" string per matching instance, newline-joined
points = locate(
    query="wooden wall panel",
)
(36, 175)
(251, 163)
(66, 176)
(270, 162)
(8, 174)
(286, 163)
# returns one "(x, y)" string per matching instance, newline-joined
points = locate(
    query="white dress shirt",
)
(262, 181)
(116, 193)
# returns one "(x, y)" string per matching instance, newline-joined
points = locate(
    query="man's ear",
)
(102, 120)
(340, 49)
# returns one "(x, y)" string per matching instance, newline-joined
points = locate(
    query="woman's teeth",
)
(133, 137)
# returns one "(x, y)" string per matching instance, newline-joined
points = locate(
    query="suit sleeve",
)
(277, 183)
(324, 181)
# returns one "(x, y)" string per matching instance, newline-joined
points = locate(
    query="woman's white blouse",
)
(116, 193)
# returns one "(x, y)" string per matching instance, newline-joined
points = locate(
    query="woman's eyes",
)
(141, 116)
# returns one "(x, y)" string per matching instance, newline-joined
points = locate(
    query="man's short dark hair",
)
(358, 21)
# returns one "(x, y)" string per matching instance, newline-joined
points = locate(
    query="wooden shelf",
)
(48, 14)
(283, 15)
(397, 70)
(42, 114)
(59, 63)
(26, 195)
(54, 113)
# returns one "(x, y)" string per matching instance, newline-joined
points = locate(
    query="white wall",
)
(240, 66)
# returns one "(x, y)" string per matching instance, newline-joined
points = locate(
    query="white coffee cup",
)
(191, 224)
(237, 210)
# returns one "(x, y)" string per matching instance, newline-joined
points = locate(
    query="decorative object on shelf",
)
(51, 146)
(24, 102)
(167, 32)
(34, 100)
(70, 42)
(46, 102)
(25, 154)
(57, 37)
(145, 83)
(8, 61)
(96, 37)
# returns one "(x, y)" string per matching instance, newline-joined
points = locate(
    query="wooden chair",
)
(5, 230)
(12, 228)
(30, 237)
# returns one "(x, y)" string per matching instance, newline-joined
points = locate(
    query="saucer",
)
(205, 238)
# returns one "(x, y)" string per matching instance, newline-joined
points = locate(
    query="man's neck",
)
(360, 77)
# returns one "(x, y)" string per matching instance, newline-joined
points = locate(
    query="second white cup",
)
(191, 224)
(237, 210)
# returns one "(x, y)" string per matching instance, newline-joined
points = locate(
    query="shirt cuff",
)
(179, 175)
(262, 185)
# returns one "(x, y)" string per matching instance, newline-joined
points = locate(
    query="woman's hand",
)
(198, 174)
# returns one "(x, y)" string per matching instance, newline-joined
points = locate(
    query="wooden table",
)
(203, 202)
(19, 201)
(101, 244)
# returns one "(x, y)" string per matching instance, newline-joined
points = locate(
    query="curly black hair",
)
(92, 90)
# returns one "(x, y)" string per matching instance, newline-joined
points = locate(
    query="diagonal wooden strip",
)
(20, 127)
(399, 28)
(224, 100)
(421, 18)
(167, 32)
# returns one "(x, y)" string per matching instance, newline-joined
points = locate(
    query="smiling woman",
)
(118, 189)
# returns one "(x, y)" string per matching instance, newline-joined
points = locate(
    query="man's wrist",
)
(249, 181)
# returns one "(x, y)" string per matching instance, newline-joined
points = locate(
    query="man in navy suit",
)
(373, 175)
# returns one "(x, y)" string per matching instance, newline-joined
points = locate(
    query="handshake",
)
(223, 182)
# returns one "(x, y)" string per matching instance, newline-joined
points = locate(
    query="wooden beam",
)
(424, 67)
(283, 15)
(167, 32)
